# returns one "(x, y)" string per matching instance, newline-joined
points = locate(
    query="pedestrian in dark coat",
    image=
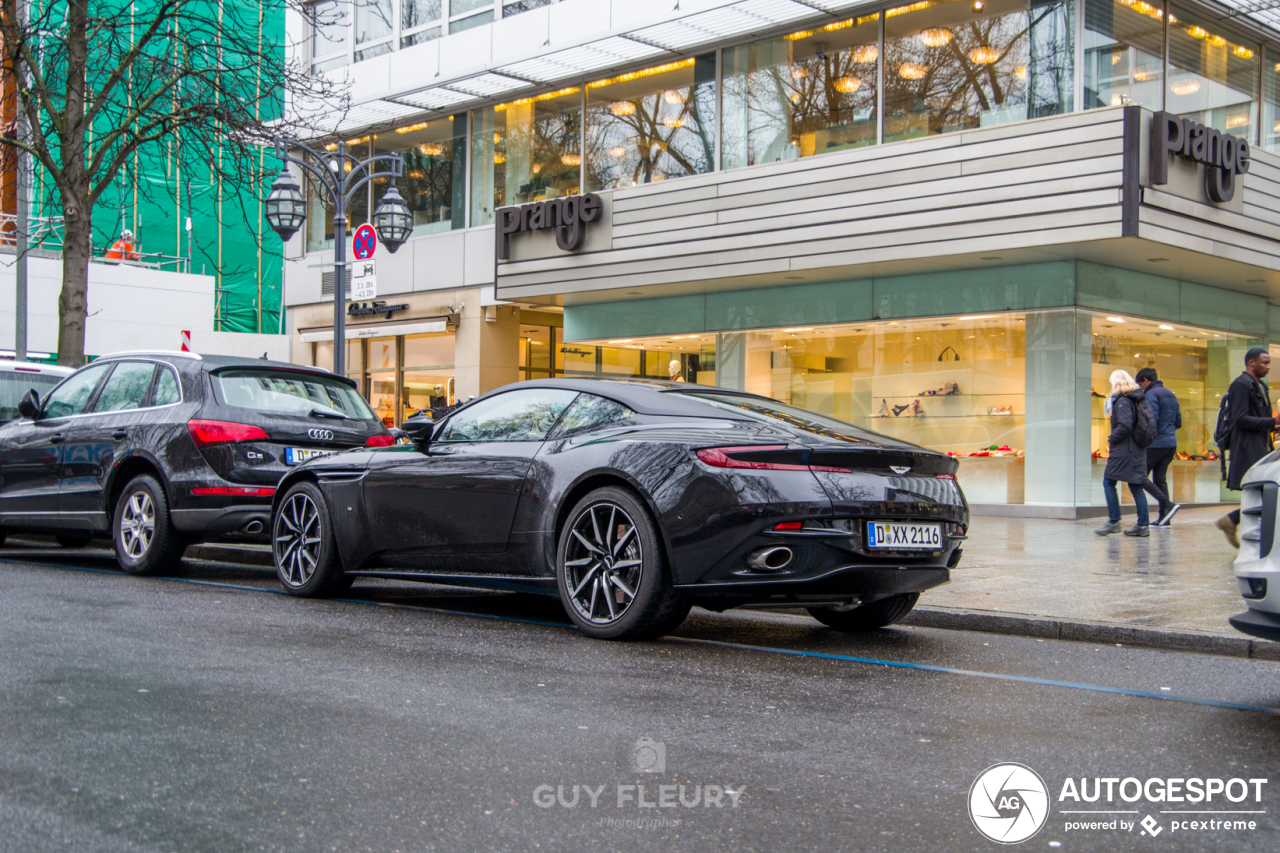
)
(1164, 405)
(1252, 425)
(1127, 462)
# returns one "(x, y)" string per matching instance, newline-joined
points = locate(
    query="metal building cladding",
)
(947, 221)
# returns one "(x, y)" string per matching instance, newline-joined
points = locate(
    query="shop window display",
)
(1213, 74)
(433, 182)
(1122, 50)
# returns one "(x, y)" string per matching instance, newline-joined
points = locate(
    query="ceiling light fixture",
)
(912, 71)
(848, 85)
(1116, 319)
(1166, 327)
(984, 55)
(935, 37)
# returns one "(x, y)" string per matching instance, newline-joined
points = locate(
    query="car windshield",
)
(766, 411)
(288, 393)
(14, 384)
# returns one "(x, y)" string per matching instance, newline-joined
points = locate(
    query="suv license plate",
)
(902, 536)
(298, 455)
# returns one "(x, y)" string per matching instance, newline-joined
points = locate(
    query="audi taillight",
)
(380, 441)
(726, 457)
(205, 433)
(202, 491)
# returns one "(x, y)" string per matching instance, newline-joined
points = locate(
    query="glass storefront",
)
(399, 374)
(434, 181)
(1213, 77)
(688, 358)
(998, 390)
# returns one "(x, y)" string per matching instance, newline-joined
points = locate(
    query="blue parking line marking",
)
(922, 667)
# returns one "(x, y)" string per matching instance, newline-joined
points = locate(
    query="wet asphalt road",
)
(163, 715)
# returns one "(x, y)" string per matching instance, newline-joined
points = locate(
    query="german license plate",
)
(298, 455)
(904, 536)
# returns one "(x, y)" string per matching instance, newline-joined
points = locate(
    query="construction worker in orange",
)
(124, 248)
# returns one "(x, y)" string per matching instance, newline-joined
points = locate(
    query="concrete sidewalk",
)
(1058, 578)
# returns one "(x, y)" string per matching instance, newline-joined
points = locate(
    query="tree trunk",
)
(77, 248)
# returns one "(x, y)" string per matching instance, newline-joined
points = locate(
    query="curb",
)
(253, 555)
(1093, 632)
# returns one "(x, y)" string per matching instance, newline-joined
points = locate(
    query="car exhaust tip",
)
(772, 559)
(253, 527)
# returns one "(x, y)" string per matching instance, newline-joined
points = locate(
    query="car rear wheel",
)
(613, 578)
(867, 617)
(69, 541)
(302, 543)
(146, 541)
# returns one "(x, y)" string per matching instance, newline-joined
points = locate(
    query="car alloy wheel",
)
(298, 539)
(603, 563)
(138, 524)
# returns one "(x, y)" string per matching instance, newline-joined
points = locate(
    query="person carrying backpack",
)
(1168, 414)
(1248, 426)
(1133, 429)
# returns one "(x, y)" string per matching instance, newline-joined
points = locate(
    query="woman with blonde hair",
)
(1127, 462)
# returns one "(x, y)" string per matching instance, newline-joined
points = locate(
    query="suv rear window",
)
(282, 392)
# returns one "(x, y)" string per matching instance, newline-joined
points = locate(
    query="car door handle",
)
(120, 434)
(57, 438)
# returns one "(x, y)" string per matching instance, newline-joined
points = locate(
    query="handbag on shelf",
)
(955, 356)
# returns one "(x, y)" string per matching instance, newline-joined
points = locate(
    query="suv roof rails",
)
(124, 353)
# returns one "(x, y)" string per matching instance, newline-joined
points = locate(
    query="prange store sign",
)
(568, 217)
(1224, 156)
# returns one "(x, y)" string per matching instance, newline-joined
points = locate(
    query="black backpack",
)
(1222, 432)
(1145, 427)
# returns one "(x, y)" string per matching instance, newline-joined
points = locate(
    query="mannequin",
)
(674, 370)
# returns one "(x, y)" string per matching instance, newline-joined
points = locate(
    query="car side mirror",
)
(29, 405)
(419, 430)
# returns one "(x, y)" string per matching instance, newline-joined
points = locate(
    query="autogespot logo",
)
(1008, 803)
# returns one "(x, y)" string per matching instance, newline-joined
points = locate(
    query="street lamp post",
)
(341, 175)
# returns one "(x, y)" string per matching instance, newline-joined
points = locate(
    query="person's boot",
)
(1138, 530)
(1228, 528)
(1108, 528)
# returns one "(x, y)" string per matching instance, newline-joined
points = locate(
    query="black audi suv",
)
(157, 450)
(632, 501)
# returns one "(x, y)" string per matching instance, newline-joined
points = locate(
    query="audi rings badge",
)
(320, 434)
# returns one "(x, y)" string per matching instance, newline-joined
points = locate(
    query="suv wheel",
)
(614, 582)
(302, 544)
(146, 541)
(867, 617)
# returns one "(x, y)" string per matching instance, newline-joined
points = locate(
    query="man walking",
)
(1252, 424)
(1164, 405)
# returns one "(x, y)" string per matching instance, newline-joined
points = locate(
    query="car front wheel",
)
(867, 617)
(146, 541)
(302, 543)
(613, 579)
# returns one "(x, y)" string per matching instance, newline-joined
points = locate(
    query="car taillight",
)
(205, 433)
(719, 457)
(380, 441)
(789, 525)
(202, 491)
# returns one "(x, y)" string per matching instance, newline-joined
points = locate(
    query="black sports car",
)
(632, 501)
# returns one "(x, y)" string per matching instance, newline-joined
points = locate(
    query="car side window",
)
(126, 387)
(525, 415)
(73, 394)
(589, 412)
(167, 388)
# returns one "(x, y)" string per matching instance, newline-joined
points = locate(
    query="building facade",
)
(949, 221)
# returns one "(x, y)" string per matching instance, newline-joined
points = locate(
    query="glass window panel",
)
(948, 68)
(329, 27)
(13, 385)
(802, 94)
(329, 64)
(428, 351)
(382, 354)
(382, 396)
(470, 23)
(525, 415)
(167, 391)
(376, 50)
(526, 150)
(434, 180)
(126, 387)
(1122, 51)
(416, 13)
(510, 9)
(461, 7)
(652, 124)
(282, 392)
(590, 412)
(420, 37)
(535, 347)
(319, 225)
(426, 390)
(1271, 100)
(374, 20)
(70, 397)
(353, 361)
(1213, 74)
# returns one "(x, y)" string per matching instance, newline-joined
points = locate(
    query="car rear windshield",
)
(760, 408)
(281, 392)
(14, 384)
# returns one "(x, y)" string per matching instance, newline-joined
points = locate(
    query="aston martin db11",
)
(633, 501)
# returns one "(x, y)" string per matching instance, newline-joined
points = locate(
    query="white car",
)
(1257, 566)
(19, 377)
